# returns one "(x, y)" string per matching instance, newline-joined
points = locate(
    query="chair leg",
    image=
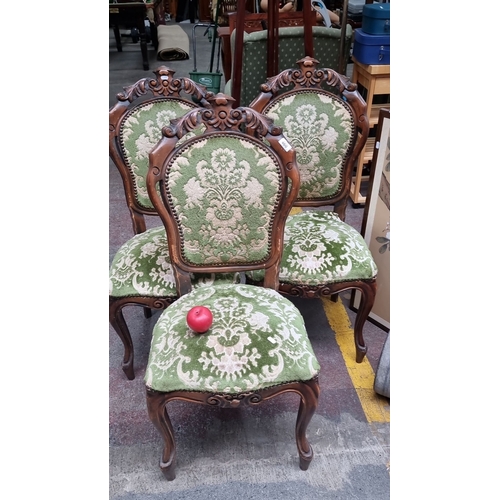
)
(147, 313)
(157, 410)
(334, 297)
(118, 38)
(120, 326)
(368, 291)
(308, 403)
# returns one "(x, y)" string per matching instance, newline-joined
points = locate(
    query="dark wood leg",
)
(192, 8)
(118, 38)
(154, 35)
(368, 291)
(120, 326)
(147, 313)
(308, 403)
(157, 410)
(144, 45)
(340, 209)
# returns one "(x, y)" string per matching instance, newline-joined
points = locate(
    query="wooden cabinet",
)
(375, 79)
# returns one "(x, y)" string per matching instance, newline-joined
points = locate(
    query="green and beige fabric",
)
(135, 124)
(141, 273)
(322, 254)
(326, 43)
(320, 249)
(224, 198)
(257, 340)
(140, 131)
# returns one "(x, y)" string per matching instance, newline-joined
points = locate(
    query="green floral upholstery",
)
(321, 129)
(227, 207)
(142, 267)
(141, 130)
(321, 249)
(326, 43)
(257, 340)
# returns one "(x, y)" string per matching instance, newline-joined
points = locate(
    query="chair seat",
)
(257, 340)
(142, 267)
(321, 249)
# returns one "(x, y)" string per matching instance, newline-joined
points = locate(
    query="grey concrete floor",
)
(247, 453)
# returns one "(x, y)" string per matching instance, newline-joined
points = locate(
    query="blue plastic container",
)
(371, 49)
(376, 19)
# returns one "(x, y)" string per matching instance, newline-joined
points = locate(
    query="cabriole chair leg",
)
(368, 291)
(157, 410)
(309, 393)
(120, 326)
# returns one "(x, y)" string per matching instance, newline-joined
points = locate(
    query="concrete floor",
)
(247, 453)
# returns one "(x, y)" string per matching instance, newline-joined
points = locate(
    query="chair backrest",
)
(224, 196)
(258, 21)
(326, 43)
(135, 124)
(328, 128)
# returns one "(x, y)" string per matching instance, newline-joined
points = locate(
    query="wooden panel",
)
(376, 224)
(374, 113)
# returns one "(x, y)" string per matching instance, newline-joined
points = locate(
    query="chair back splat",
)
(224, 198)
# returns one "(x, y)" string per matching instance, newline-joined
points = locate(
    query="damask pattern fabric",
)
(142, 267)
(321, 129)
(141, 131)
(226, 187)
(257, 340)
(319, 249)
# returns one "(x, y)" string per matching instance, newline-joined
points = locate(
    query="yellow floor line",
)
(376, 407)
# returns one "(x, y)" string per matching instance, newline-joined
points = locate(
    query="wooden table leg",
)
(118, 38)
(144, 44)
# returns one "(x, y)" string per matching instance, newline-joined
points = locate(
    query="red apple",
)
(199, 319)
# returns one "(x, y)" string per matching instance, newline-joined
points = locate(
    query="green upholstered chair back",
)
(322, 129)
(140, 130)
(326, 43)
(223, 196)
(327, 128)
(135, 127)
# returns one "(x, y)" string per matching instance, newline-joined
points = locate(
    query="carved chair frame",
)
(157, 410)
(302, 79)
(224, 119)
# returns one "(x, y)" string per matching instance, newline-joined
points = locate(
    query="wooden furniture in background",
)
(204, 14)
(129, 14)
(252, 22)
(376, 80)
